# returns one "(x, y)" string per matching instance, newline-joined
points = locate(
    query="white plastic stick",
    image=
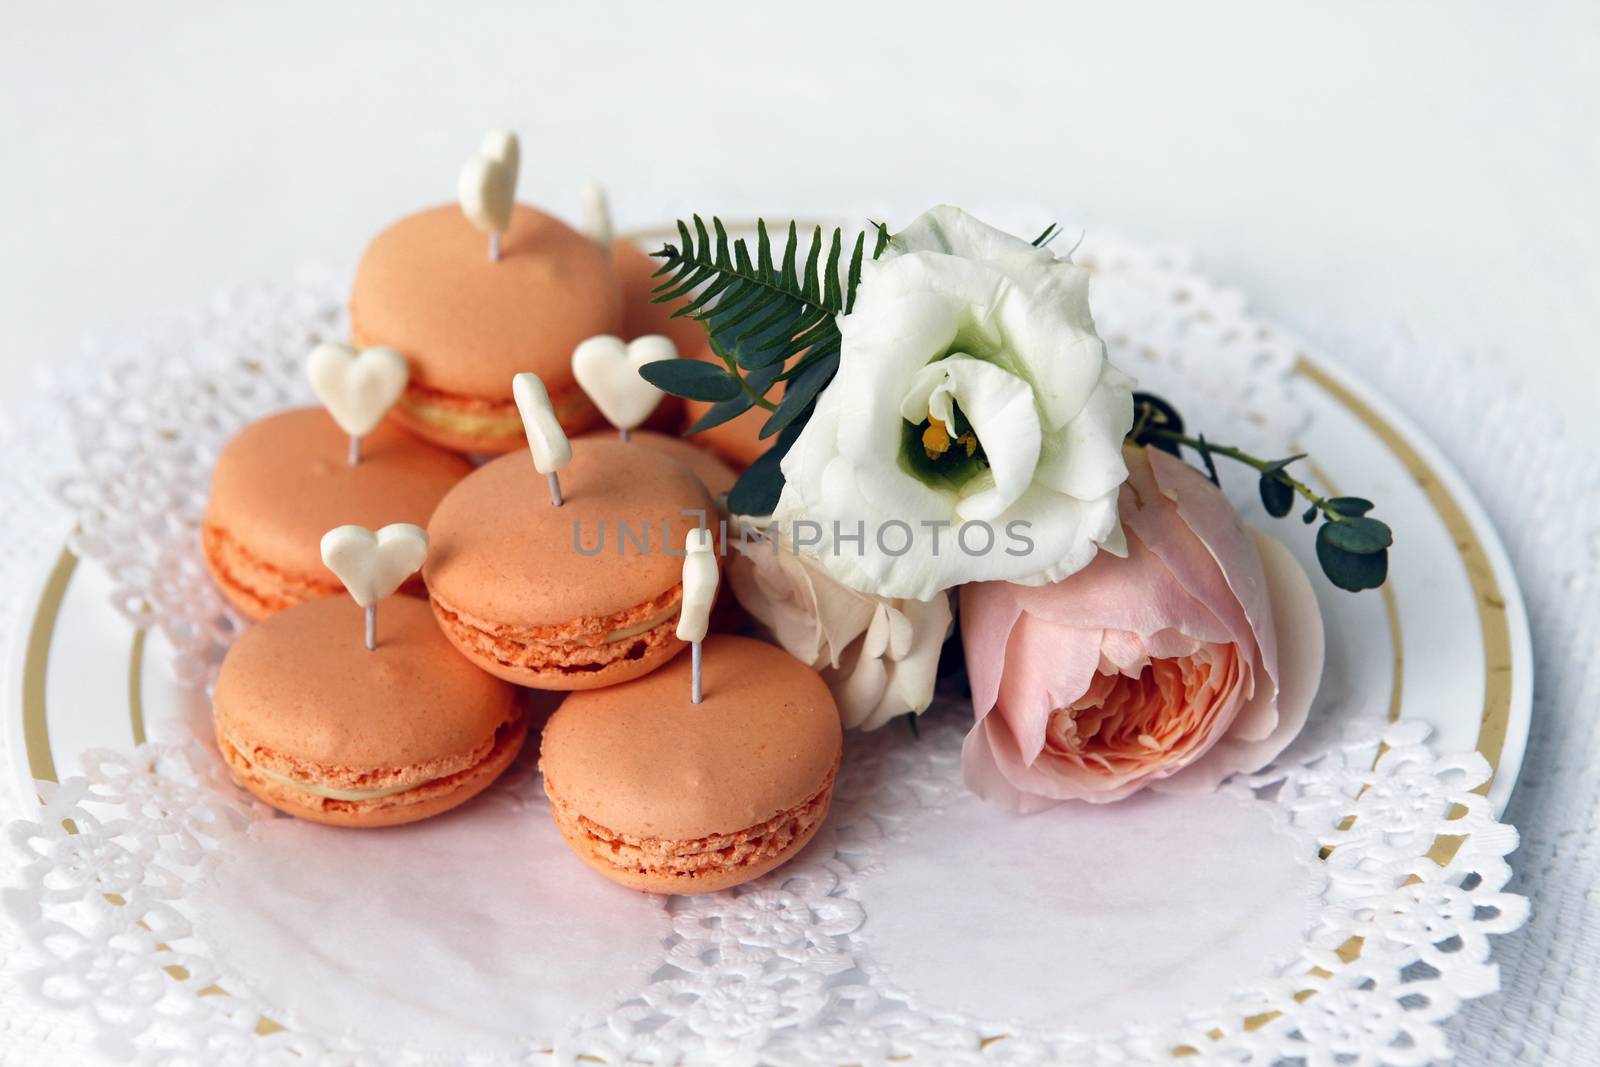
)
(547, 441)
(372, 627)
(355, 449)
(699, 593)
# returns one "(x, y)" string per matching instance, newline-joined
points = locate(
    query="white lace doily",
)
(789, 969)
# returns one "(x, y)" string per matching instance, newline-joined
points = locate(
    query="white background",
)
(1371, 175)
(1382, 178)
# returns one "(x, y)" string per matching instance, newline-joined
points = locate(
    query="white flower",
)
(972, 392)
(878, 655)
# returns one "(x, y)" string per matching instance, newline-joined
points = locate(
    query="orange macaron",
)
(571, 597)
(714, 474)
(667, 796)
(640, 314)
(283, 481)
(426, 287)
(317, 726)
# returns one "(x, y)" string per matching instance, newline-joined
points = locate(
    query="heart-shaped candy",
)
(373, 565)
(487, 187)
(608, 370)
(546, 439)
(357, 385)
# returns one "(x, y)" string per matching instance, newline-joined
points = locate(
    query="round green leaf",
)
(1276, 496)
(1351, 571)
(1361, 536)
(1348, 505)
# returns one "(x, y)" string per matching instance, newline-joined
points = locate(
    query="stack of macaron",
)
(559, 565)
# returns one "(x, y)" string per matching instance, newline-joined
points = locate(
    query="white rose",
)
(878, 655)
(972, 391)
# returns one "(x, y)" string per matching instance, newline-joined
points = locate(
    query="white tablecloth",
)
(1410, 188)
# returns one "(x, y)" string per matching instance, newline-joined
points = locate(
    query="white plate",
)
(1445, 642)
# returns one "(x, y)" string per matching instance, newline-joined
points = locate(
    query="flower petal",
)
(1137, 593)
(1084, 459)
(952, 231)
(988, 612)
(1300, 641)
(1048, 667)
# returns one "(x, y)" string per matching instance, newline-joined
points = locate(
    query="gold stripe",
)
(35, 726)
(1495, 629)
(136, 686)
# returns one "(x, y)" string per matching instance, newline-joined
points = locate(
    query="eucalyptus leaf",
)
(722, 412)
(1361, 536)
(1350, 571)
(1151, 413)
(691, 379)
(1348, 505)
(758, 488)
(1277, 496)
(800, 393)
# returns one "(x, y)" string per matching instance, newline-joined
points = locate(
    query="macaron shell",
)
(431, 798)
(302, 696)
(640, 316)
(641, 760)
(502, 554)
(713, 473)
(426, 287)
(480, 427)
(705, 866)
(572, 656)
(284, 481)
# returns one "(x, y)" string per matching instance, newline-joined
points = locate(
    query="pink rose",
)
(1193, 657)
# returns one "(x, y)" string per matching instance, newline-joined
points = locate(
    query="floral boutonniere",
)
(944, 419)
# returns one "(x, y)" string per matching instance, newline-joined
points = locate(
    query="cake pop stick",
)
(487, 187)
(373, 565)
(608, 371)
(699, 592)
(546, 439)
(357, 386)
(597, 216)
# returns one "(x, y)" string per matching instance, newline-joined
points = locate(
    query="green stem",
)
(755, 397)
(1260, 465)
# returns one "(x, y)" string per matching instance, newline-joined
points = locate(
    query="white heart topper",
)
(373, 565)
(546, 439)
(357, 386)
(699, 586)
(487, 187)
(608, 370)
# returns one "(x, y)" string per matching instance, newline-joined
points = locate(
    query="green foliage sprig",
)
(1352, 547)
(768, 321)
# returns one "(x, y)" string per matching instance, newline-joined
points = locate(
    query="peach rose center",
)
(1130, 724)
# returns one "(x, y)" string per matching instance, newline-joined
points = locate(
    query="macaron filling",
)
(320, 790)
(508, 733)
(254, 585)
(758, 845)
(482, 417)
(579, 646)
